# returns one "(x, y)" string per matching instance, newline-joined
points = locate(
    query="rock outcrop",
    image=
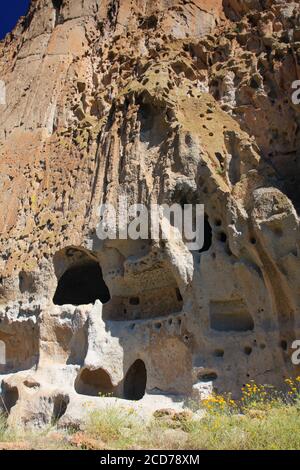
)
(171, 101)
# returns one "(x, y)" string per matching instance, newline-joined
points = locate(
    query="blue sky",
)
(11, 10)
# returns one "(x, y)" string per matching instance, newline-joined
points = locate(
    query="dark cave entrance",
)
(135, 381)
(82, 284)
(207, 235)
(60, 406)
(10, 397)
(57, 4)
(94, 383)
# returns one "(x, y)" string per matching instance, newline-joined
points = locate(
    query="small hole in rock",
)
(219, 353)
(284, 345)
(178, 295)
(207, 376)
(134, 301)
(222, 237)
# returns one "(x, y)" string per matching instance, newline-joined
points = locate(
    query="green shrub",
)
(113, 424)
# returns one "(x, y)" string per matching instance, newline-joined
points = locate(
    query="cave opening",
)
(10, 397)
(230, 315)
(94, 383)
(135, 381)
(26, 282)
(82, 284)
(149, 23)
(207, 235)
(57, 4)
(60, 406)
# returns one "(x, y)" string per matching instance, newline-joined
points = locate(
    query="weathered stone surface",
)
(168, 101)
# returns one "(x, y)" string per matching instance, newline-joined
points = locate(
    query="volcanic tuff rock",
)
(162, 101)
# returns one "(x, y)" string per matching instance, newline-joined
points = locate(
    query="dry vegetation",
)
(262, 419)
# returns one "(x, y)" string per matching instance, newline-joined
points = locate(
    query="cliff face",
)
(167, 101)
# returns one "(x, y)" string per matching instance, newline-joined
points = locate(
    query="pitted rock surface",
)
(168, 101)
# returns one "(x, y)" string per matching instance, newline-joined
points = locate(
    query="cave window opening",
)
(134, 301)
(207, 235)
(284, 345)
(235, 321)
(220, 159)
(81, 284)
(219, 353)
(26, 282)
(135, 381)
(57, 4)
(208, 376)
(222, 237)
(94, 383)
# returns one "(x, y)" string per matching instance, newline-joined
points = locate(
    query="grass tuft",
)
(114, 425)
